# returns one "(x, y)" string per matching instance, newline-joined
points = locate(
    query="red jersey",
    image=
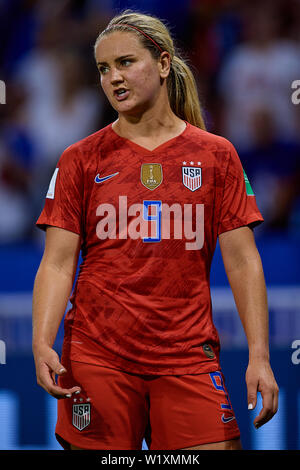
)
(149, 223)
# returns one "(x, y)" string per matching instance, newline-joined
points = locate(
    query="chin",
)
(133, 109)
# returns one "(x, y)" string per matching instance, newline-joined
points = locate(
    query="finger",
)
(58, 392)
(75, 389)
(275, 401)
(47, 380)
(266, 412)
(56, 367)
(251, 395)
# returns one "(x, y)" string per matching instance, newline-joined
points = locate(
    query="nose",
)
(116, 76)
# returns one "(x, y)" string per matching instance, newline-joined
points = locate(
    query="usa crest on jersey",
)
(81, 416)
(192, 177)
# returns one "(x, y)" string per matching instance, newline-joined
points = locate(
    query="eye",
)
(102, 69)
(125, 62)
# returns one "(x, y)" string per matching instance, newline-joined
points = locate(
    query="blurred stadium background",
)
(245, 56)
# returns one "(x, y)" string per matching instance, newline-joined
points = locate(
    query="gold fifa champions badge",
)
(151, 175)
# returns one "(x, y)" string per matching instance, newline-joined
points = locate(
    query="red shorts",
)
(116, 410)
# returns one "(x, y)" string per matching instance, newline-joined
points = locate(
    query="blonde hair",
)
(155, 36)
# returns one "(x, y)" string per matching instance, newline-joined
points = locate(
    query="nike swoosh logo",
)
(104, 178)
(226, 420)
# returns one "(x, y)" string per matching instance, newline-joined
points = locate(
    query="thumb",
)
(252, 395)
(56, 366)
(60, 369)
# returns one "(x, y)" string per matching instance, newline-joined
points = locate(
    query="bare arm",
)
(245, 275)
(52, 288)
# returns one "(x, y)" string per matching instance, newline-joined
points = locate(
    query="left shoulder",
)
(208, 139)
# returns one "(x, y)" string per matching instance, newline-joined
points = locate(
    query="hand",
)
(47, 367)
(260, 378)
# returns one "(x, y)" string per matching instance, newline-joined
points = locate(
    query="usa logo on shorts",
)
(81, 416)
(192, 176)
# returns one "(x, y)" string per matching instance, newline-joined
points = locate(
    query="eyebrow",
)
(117, 60)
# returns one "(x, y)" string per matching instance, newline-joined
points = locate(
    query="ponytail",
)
(183, 95)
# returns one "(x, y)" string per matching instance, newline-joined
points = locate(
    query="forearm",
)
(249, 290)
(51, 292)
(245, 274)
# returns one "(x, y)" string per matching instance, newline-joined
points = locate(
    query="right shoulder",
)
(84, 151)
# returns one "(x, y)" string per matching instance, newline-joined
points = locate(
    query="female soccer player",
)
(145, 200)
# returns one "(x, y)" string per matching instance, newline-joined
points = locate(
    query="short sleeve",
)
(238, 206)
(63, 203)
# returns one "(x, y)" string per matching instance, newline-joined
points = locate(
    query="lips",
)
(121, 96)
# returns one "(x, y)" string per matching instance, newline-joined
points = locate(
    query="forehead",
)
(117, 44)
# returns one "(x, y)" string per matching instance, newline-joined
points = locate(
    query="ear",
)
(164, 64)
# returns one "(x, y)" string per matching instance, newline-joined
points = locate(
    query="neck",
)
(155, 121)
